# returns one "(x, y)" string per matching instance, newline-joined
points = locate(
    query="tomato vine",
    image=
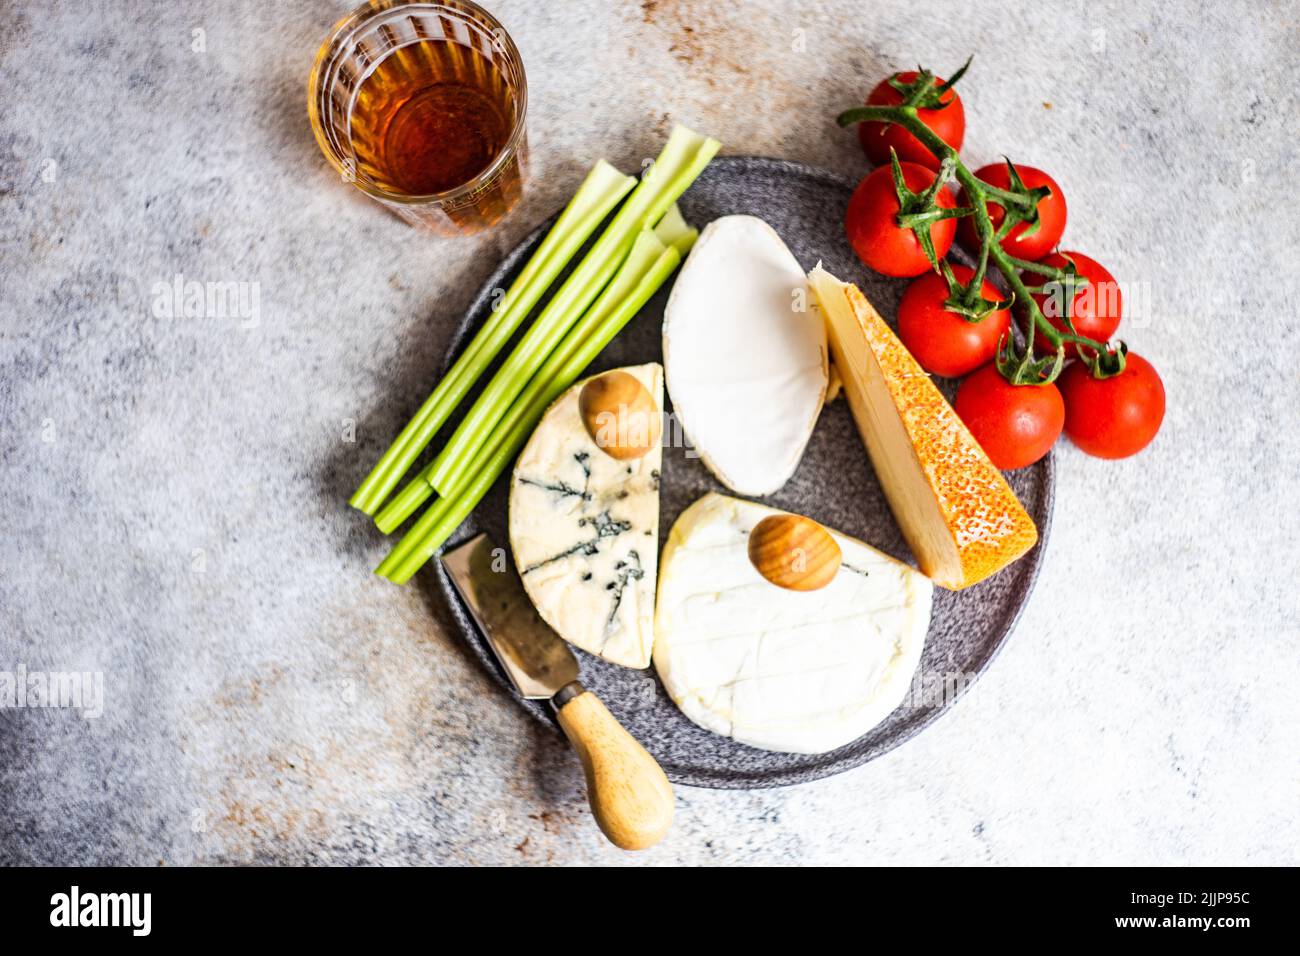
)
(1020, 205)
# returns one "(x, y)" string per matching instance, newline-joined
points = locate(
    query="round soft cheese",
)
(795, 671)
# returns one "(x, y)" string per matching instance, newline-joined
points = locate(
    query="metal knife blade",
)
(535, 658)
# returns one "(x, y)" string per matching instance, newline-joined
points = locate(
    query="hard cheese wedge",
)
(959, 516)
(797, 671)
(584, 530)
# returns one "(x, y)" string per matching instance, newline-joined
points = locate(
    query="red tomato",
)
(1113, 417)
(1051, 214)
(942, 341)
(1015, 424)
(876, 236)
(948, 123)
(1096, 308)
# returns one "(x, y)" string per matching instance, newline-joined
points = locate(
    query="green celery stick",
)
(418, 532)
(682, 160)
(403, 504)
(599, 193)
(450, 517)
(649, 246)
(581, 350)
(645, 251)
(674, 230)
(671, 230)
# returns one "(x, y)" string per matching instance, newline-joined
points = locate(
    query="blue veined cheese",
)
(794, 671)
(584, 530)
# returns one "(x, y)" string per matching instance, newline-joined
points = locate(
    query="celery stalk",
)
(682, 160)
(599, 193)
(580, 348)
(403, 504)
(649, 245)
(674, 230)
(645, 251)
(419, 531)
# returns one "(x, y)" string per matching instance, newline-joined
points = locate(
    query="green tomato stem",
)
(980, 193)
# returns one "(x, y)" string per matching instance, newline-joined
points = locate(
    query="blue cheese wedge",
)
(584, 530)
(794, 671)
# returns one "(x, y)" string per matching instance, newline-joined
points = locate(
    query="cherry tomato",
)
(1051, 214)
(942, 341)
(948, 123)
(1015, 424)
(1096, 308)
(876, 236)
(1113, 417)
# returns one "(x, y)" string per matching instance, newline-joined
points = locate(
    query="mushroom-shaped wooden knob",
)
(620, 415)
(794, 552)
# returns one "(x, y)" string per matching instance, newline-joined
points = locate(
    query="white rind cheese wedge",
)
(584, 530)
(795, 671)
(960, 517)
(745, 355)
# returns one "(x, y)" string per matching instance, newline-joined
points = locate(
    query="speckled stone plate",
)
(834, 484)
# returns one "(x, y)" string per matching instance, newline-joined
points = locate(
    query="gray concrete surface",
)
(174, 488)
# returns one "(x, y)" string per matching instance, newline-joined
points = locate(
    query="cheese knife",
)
(629, 793)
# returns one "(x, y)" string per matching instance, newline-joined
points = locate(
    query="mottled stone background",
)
(173, 489)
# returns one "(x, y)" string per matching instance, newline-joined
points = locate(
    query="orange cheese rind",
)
(959, 516)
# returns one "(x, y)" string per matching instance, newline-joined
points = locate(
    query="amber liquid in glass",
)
(433, 116)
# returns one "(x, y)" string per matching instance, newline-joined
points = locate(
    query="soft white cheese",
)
(803, 672)
(584, 530)
(745, 354)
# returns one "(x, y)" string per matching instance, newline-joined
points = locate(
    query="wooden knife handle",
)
(630, 796)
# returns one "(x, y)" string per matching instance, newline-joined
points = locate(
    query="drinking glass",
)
(366, 39)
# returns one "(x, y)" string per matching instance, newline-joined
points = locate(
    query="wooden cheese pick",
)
(794, 552)
(619, 415)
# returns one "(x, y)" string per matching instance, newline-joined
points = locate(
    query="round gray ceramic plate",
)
(834, 484)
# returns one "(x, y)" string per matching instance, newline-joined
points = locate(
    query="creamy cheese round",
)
(803, 672)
